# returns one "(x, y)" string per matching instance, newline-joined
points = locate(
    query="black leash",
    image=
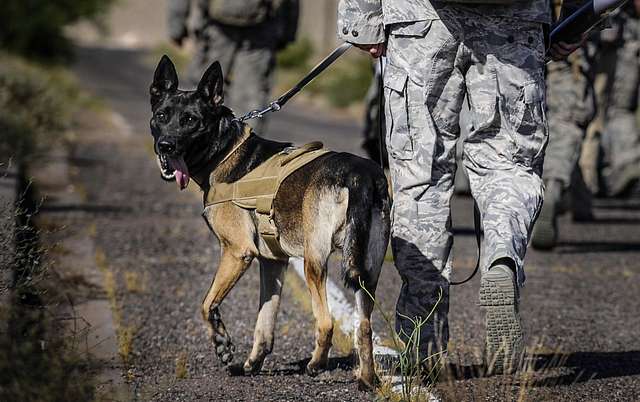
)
(277, 104)
(477, 225)
(381, 142)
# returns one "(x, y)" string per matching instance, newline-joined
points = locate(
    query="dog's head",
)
(187, 126)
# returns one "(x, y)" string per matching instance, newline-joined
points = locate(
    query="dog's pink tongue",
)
(182, 172)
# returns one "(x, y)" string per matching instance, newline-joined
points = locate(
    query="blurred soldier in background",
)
(570, 110)
(619, 76)
(243, 35)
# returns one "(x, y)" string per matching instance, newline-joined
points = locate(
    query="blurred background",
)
(104, 265)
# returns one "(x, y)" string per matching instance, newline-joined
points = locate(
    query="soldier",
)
(438, 52)
(570, 110)
(243, 35)
(619, 68)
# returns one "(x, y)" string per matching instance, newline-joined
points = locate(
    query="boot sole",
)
(504, 335)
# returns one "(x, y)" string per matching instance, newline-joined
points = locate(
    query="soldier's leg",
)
(581, 198)
(422, 165)
(570, 107)
(212, 44)
(622, 127)
(503, 157)
(252, 81)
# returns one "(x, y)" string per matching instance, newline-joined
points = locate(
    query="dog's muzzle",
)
(166, 170)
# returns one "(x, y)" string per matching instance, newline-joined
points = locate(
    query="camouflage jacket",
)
(364, 21)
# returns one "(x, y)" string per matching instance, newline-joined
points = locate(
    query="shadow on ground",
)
(579, 367)
(299, 367)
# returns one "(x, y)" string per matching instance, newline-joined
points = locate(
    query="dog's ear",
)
(210, 86)
(165, 80)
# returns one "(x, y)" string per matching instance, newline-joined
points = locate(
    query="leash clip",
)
(258, 114)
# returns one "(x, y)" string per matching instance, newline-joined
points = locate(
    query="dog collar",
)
(246, 132)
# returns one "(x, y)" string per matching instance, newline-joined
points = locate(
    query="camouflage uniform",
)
(571, 107)
(436, 54)
(246, 53)
(619, 66)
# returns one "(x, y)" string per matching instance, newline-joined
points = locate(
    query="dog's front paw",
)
(252, 367)
(224, 348)
(315, 368)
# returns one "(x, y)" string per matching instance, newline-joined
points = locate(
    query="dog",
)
(337, 201)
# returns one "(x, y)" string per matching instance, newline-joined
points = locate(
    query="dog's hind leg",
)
(365, 245)
(271, 281)
(315, 272)
(233, 265)
(376, 249)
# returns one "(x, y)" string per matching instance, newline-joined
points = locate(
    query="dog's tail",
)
(366, 231)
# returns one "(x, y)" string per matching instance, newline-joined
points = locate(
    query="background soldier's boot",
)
(504, 341)
(545, 231)
(624, 180)
(581, 199)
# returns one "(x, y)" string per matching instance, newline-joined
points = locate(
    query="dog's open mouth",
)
(174, 168)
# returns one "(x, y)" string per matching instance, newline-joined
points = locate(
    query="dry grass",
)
(134, 282)
(125, 333)
(181, 365)
(516, 387)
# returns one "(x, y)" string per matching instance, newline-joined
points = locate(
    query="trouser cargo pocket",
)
(404, 107)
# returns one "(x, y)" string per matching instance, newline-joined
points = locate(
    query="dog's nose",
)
(166, 147)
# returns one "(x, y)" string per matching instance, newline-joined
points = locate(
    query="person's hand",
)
(561, 50)
(375, 50)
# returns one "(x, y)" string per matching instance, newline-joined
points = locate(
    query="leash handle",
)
(284, 98)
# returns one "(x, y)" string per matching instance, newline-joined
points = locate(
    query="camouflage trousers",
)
(571, 107)
(498, 64)
(248, 61)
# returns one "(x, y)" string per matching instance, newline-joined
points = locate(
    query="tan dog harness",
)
(257, 189)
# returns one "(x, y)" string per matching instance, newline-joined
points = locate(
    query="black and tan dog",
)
(336, 201)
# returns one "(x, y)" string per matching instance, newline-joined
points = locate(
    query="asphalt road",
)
(580, 303)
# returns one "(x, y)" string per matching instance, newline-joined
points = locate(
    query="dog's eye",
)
(189, 120)
(161, 117)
